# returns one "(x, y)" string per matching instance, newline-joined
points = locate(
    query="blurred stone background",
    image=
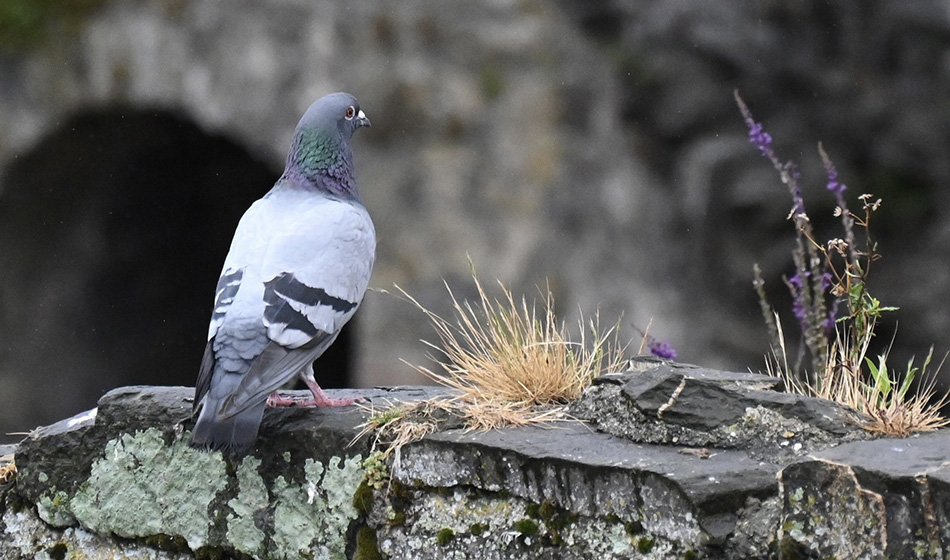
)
(594, 146)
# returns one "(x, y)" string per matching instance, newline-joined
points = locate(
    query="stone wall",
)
(662, 462)
(594, 147)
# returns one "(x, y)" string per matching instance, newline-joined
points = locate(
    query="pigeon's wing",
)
(248, 243)
(248, 247)
(228, 284)
(205, 373)
(314, 274)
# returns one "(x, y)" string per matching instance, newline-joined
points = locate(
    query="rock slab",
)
(672, 462)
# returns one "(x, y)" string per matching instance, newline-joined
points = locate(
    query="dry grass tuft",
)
(511, 363)
(398, 424)
(505, 351)
(888, 402)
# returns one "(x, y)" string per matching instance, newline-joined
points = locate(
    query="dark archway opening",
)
(112, 234)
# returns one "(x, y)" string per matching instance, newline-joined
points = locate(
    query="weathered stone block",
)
(120, 482)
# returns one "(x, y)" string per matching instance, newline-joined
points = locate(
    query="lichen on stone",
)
(312, 517)
(242, 532)
(142, 487)
(54, 508)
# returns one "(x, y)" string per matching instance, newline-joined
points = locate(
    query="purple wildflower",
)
(759, 137)
(834, 185)
(661, 349)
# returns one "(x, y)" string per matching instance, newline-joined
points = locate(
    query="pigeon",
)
(298, 267)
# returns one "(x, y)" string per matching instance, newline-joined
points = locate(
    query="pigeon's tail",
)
(235, 433)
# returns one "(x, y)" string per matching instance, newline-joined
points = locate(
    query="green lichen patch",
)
(54, 508)
(242, 531)
(142, 487)
(311, 518)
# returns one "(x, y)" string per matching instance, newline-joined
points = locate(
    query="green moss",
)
(401, 491)
(547, 510)
(526, 527)
(533, 511)
(398, 518)
(363, 498)
(690, 555)
(645, 544)
(555, 519)
(478, 528)
(367, 547)
(445, 536)
(560, 521)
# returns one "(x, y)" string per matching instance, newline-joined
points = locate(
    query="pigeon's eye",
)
(350, 112)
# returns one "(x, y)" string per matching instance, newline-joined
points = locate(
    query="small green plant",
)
(827, 276)
(375, 469)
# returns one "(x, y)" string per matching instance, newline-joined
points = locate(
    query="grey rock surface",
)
(878, 499)
(669, 403)
(122, 478)
(120, 481)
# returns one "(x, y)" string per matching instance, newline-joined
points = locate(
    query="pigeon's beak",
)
(362, 120)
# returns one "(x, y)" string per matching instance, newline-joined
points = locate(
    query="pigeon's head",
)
(337, 113)
(320, 154)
